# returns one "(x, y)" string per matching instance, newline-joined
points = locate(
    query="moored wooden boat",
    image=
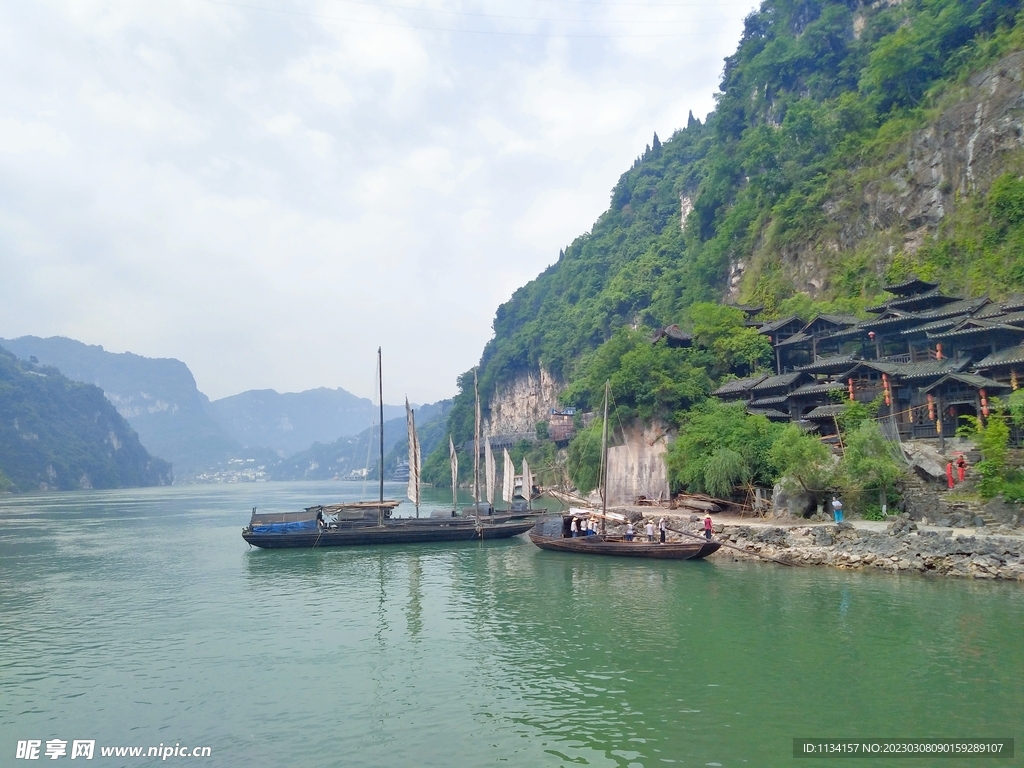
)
(549, 534)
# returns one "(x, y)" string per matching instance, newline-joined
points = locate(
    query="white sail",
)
(508, 478)
(527, 481)
(490, 471)
(413, 491)
(455, 469)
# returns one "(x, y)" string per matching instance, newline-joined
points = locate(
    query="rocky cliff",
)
(890, 207)
(517, 406)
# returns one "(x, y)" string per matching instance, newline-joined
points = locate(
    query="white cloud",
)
(269, 196)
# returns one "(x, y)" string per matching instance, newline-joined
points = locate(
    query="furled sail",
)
(490, 471)
(413, 491)
(508, 478)
(455, 469)
(527, 481)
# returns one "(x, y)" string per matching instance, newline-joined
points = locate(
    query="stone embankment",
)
(898, 546)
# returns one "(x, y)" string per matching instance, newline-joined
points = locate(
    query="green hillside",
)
(57, 434)
(807, 188)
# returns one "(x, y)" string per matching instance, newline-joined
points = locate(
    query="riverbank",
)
(900, 545)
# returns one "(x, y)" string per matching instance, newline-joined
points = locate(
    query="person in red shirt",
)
(961, 467)
(949, 474)
(707, 527)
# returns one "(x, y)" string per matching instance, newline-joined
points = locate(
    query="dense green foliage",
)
(719, 446)
(57, 434)
(816, 104)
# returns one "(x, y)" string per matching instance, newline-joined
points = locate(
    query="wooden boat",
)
(363, 523)
(550, 533)
(306, 529)
(553, 532)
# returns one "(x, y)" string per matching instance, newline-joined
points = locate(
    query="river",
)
(140, 617)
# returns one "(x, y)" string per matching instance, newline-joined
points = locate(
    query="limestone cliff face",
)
(974, 139)
(637, 467)
(516, 407)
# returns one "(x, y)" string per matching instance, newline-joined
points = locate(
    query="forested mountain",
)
(852, 144)
(340, 457)
(293, 421)
(158, 397)
(58, 434)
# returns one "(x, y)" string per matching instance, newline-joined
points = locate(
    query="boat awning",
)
(284, 522)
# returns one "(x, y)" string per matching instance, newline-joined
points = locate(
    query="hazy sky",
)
(270, 190)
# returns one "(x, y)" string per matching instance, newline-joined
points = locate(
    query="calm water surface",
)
(141, 617)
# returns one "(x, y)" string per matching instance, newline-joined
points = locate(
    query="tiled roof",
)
(971, 379)
(920, 370)
(829, 364)
(973, 325)
(1013, 301)
(766, 401)
(776, 382)
(768, 413)
(799, 338)
(1008, 356)
(739, 386)
(775, 325)
(817, 389)
(909, 286)
(935, 325)
(825, 412)
(672, 332)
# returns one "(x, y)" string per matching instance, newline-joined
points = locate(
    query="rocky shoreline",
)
(901, 545)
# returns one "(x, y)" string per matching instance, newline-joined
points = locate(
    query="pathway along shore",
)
(900, 545)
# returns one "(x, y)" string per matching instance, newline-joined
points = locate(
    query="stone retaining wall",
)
(902, 547)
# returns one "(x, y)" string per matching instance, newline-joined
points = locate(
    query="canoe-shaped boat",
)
(549, 534)
(307, 529)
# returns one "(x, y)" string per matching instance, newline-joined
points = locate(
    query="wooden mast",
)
(604, 459)
(476, 449)
(380, 466)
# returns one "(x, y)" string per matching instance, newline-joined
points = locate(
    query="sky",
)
(270, 190)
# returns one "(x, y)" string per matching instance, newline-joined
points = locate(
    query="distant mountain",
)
(293, 421)
(158, 397)
(342, 457)
(58, 434)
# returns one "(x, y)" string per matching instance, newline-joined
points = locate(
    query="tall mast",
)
(380, 466)
(476, 449)
(604, 459)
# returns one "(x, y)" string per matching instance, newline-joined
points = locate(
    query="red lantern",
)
(984, 403)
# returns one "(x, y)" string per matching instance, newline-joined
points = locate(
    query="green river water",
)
(140, 617)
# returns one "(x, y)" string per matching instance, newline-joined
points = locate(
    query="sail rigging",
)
(454, 459)
(476, 449)
(490, 471)
(527, 483)
(508, 478)
(413, 491)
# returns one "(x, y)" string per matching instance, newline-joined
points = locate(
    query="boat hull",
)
(597, 545)
(399, 531)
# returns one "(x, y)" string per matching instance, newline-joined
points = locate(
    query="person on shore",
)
(708, 528)
(961, 467)
(837, 509)
(650, 530)
(575, 528)
(661, 529)
(949, 474)
(629, 531)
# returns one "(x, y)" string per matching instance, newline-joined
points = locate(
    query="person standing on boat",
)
(575, 528)
(629, 530)
(650, 530)
(707, 526)
(593, 527)
(661, 529)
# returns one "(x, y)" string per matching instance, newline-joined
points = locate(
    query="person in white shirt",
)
(629, 531)
(575, 528)
(662, 527)
(650, 530)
